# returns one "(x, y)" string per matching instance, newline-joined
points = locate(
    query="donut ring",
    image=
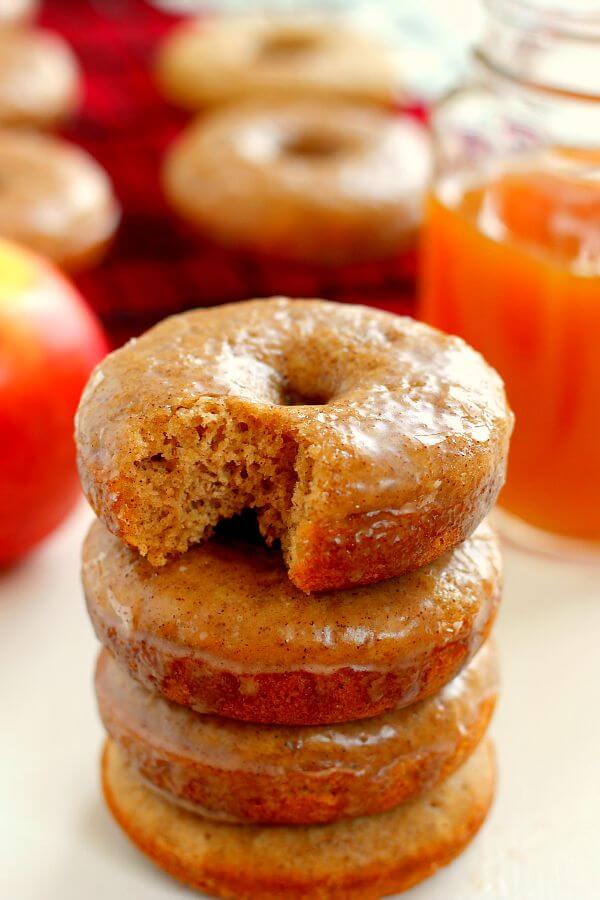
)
(227, 58)
(40, 80)
(233, 771)
(224, 631)
(358, 859)
(301, 181)
(55, 199)
(368, 443)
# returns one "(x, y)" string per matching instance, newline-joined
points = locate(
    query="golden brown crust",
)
(223, 630)
(338, 549)
(367, 443)
(363, 858)
(228, 58)
(334, 184)
(233, 771)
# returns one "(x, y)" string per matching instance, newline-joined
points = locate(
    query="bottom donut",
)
(364, 858)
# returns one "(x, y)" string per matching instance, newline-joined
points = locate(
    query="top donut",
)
(228, 58)
(367, 443)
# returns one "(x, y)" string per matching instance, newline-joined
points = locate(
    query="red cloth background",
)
(155, 266)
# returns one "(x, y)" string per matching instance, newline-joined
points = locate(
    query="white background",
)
(57, 841)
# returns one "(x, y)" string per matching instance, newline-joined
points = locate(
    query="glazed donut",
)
(209, 62)
(301, 181)
(367, 443)
(40, 81)
(55, 199)
(223, 630)
(234, 771)
(17, 12)
(357, 859)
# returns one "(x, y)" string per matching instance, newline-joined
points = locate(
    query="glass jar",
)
(511, 251)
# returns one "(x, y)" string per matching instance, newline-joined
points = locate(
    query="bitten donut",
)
(234, 771)
(357, 859)
(16, 12)
(214, 61)
(40, 81)
(55, 199)
(302, 181)
(367, 443)
(223, 630)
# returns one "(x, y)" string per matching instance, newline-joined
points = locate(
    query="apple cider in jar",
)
(511, 253)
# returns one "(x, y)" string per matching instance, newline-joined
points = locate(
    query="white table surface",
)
(58, 842)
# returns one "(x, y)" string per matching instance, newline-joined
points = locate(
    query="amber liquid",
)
(513, 266)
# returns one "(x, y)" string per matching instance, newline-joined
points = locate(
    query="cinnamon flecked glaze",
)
(235, 771)
(223, 630)
(367, 443)
(357, 859)
(325, 184)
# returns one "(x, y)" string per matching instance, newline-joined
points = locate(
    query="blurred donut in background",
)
(211, 62)
(40, 81)
(314, 182)
(16, 12)
(55, 199)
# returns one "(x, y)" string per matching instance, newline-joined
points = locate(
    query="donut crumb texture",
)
(207, 465)
(317, 416)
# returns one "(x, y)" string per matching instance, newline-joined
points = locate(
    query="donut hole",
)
(281, 45)
(227, 455)
(300, 398)
(315, 145)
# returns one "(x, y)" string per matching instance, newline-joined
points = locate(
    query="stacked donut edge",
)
(268, 742)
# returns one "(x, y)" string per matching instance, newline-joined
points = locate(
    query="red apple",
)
(49, 343)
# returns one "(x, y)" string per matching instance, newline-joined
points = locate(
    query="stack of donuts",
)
(294, 585)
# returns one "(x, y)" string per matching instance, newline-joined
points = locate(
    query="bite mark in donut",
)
(367, 443)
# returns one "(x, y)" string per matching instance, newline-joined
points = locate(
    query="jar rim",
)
(543, 47)
(575, 19)
(502, 74)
